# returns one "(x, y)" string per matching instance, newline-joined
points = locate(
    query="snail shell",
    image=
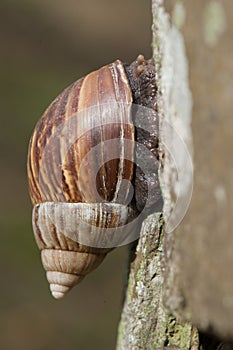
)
(81, 170)
(59, 186)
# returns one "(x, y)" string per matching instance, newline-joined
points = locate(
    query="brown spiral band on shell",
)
(54, 171)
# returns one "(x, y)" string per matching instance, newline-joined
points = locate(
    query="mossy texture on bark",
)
(145, 324)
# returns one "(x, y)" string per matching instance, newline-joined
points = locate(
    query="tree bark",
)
(172, 286)
(145, 322)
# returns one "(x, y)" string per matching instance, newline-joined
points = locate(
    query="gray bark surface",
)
(145, 322)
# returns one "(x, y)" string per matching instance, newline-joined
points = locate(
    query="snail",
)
(86, 181)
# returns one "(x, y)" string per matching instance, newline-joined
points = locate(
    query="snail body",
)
(81, 171)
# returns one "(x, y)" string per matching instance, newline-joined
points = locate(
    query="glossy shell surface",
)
(73, 143)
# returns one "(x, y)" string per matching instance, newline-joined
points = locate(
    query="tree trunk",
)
(181, 274)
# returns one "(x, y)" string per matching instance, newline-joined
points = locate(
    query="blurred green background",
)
(45, 46)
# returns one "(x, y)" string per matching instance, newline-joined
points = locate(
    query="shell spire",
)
(65, 269)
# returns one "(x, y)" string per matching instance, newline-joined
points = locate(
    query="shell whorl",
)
(61, 228)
